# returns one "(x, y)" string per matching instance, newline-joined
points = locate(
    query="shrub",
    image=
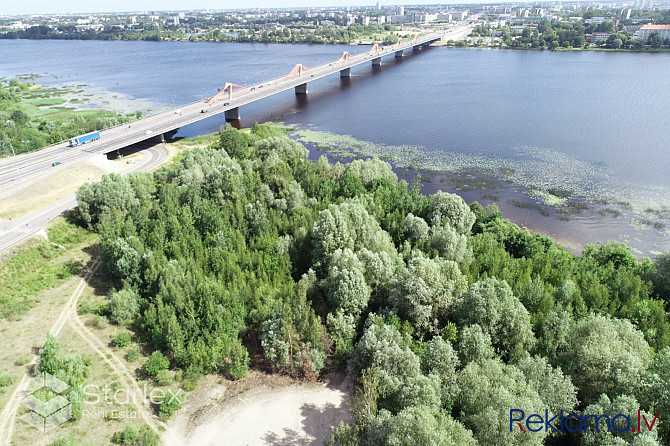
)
(124, 307)
(133, 353)
(6, 379)
(156, 363)
(164, 377)
(122, 339)
(133, 436)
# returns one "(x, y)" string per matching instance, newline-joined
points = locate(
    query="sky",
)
(19, 7)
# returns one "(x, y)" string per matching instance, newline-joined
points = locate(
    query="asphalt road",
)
(40, 162)
(17, 171)
(14, 231)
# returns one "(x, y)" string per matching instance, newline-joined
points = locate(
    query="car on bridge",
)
(56, 163)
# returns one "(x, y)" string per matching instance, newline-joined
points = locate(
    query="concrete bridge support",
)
(399, 54)
(377, 62)
(301, 89)
(233, 114)
(345, 73)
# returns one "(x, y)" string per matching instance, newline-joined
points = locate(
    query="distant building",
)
(647, 30)
(379, 6)
(396, 19)
(175, 20)
(365, 20)
(597, 20)
(401, 10)
(595, 37)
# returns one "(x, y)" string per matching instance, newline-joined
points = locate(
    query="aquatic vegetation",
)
(548, 198)
(553, 178)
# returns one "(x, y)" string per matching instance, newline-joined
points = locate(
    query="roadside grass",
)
(41, 265)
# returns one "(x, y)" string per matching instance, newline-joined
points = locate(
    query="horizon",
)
(42, 7)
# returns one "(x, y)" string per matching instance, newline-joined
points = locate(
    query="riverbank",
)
(572, 201)
(469, 45)
(40, 115)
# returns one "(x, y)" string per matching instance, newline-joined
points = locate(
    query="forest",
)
(248, 254)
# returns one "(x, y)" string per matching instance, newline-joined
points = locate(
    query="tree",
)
(112, 192)
(487, 391)
(655, 40)
(608, 356)
(425, 291)
(491, 304)
(452, 208)
(124, 306)
(382, 346)
(661, 276)
(415, 228)
(655, 391)
(555, 389)
(417, 426)
(439, 358)
(474, 345)
(371, 169)
(607, 430)
(234, 142)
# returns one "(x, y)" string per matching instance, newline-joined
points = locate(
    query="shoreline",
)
(442, 43)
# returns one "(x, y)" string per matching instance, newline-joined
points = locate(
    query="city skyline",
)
(83, 6)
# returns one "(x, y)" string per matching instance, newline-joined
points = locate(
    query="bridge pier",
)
(399, 54)
(416, 47)
(345, 73)
(233, 114)
(377, 62)
(301, 89)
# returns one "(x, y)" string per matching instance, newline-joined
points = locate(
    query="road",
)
(14, 231)
(17, 172)
(40, 162)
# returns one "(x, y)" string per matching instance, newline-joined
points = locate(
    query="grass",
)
(39, 266)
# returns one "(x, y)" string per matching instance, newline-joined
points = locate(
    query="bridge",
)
(228, 100)
(19, 172)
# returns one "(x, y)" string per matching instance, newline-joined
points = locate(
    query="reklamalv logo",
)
(45, 415)
(576, 422)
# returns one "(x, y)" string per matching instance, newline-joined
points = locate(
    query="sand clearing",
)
(301, 414)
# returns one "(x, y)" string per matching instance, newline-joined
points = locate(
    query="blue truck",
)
(74, 142)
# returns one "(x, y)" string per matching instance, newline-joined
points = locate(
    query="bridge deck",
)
(122, 136)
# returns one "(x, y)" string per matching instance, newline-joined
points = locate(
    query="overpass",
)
(228, 101)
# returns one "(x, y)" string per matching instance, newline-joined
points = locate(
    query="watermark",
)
(578, 422)
(48, 408)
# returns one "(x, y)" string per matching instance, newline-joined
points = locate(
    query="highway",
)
(13, 231)
(25, 166)
(18, 172)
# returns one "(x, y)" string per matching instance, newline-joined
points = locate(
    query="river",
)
(571, 144)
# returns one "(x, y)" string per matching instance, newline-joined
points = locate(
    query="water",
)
(589, 124)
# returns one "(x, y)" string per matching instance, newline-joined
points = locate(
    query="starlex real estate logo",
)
(45, 415)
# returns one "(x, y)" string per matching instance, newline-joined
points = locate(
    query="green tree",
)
(608, 356)
(124, 306)
(452, 208)
(492, 305)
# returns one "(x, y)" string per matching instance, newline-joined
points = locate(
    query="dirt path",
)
(301, 414)
(69, 314)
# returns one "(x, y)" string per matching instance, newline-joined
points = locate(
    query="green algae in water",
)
(550, 176)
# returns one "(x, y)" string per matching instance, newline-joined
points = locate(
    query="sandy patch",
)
(300, 414)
